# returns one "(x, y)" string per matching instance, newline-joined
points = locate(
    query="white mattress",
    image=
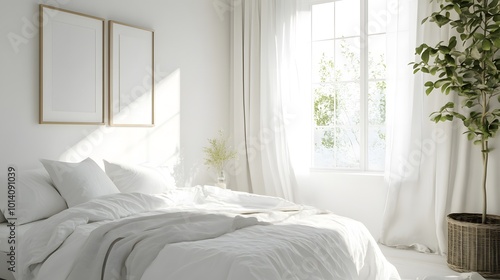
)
(20, 231)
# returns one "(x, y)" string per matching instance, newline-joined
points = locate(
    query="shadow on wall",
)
(159, 145)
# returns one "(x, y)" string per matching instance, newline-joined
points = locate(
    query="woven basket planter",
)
(473, 246)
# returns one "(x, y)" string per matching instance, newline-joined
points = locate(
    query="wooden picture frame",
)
(131, 75)
(71, 67)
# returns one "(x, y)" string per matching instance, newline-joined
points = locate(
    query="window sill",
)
(346, 172)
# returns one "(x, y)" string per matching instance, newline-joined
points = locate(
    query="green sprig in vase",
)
(217, 154)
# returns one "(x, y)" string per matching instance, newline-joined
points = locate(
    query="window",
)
(348, 51)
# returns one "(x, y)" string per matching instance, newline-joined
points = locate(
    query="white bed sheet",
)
(301, 241)
(5, 246)
(20, 231)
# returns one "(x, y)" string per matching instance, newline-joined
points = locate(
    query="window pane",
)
(376, 148)
(348, 104)
(377, 57)
(377, 16)
(348, 147)
(376, 125)
(325, 104)
(323, 54)
(347, 58)
(337, 104)
(336, 148)
(347, 21)
(322, 21)
(376, 103)
(324, 143)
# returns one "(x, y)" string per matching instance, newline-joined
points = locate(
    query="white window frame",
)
(364, 94)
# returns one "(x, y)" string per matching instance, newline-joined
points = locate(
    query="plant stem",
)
(485, 174)
(484, 151)
(484, 141)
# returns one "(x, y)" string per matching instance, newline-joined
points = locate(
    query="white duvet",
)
(199, 233)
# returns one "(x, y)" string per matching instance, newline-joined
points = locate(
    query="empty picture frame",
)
(71, 67)
(131, 75)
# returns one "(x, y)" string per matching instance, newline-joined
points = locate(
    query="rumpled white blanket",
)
(199, 233)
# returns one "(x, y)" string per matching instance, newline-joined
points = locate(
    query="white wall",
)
(192, 87)
(358, 196)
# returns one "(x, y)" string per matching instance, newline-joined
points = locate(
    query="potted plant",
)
(217, 154)
(468, 65)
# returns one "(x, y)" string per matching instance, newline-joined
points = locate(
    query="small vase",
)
(221, 179)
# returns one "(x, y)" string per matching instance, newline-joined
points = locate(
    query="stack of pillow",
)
(43, 193)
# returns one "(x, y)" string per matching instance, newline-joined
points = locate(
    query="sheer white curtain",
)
(431, 168)
(263, 80)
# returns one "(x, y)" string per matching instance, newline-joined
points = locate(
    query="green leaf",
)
(429, 84)
(446, 118)
(475, 53)
(493, 4)
(449, 105)
(470, 136)
(450, 70)
(468, 74)
(444, 87)
(439, 83)
(492, 27)
(486, 45)
(467, 123)
(444, 49)
(478, 35)
(425, 56)
(453, 42)
(490, 65)
(419, 49)
(496, 42)
(448, 7)
(458, 115)
(429, 90)
(469, 104)
(441, 20)
(449, 59)
(474, 115)
(436, 118)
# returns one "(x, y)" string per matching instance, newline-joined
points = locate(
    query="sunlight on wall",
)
(157, 145)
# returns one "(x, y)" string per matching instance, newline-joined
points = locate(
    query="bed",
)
(5, 246)
(202, 232)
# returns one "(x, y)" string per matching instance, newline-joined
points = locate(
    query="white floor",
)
(413, 265)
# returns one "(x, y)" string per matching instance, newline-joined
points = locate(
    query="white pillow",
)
(36, 198)
(138, 178)
(79, 182)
